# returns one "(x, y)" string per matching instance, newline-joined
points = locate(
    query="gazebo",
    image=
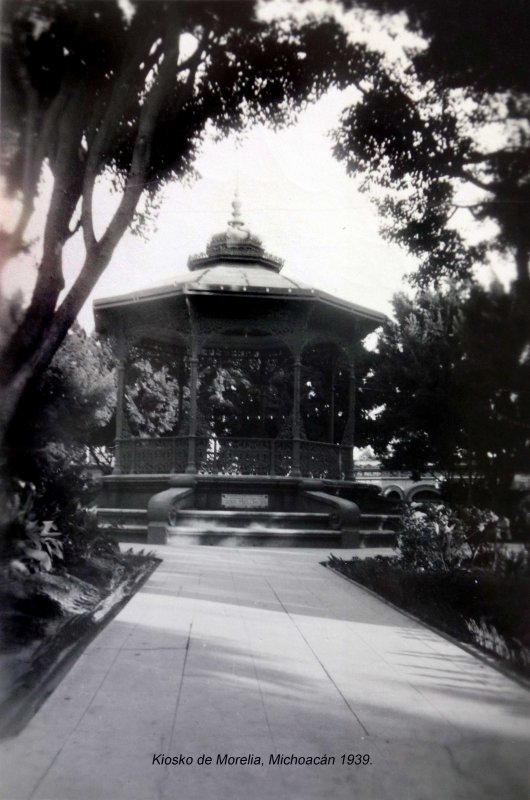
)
(253, 413)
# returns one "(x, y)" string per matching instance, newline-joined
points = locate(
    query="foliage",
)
(245, 392)
(449, 388)
(151, 399)
(439, 537)
(447, 134)
(474, 44)
(72, 404)
(75, 400)
(41, 546)
(36, 544)
(94, 92)
(66, 417)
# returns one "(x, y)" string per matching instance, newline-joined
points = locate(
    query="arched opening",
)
(394, 494)
(423, 494)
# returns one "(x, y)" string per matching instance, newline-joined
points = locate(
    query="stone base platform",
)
(226, 510)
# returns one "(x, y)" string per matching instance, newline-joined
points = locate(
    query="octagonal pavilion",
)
(254, 377)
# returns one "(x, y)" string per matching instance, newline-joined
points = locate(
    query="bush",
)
(439, 537)
(35, 545)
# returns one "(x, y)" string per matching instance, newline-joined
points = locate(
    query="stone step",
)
(379, 522)
(247, 528)
(377, 538)
(129, 532)
(253, 537)
(195, 518)
(112, 513)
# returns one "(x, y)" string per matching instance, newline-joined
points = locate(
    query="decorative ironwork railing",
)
(323, 459)
(152, 456)
(231, 455)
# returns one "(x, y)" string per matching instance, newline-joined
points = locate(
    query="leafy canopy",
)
(448, 134)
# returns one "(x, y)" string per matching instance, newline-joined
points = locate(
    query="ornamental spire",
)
(237, 219)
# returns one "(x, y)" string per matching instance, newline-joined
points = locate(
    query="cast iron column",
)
(120, 415)
(191, 466)
(331, 424)
(121, 349)
(295, 467)
(349, 434)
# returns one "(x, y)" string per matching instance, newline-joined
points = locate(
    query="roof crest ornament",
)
(237, 231)
(237, 244)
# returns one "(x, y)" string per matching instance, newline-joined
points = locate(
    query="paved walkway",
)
(265, 652)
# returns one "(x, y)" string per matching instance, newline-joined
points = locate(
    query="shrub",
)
(35, 544)
(440, 537)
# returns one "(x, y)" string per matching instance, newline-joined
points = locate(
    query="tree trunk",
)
(522, 265)
(29, 352)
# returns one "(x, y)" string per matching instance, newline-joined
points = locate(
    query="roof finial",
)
(237, 219)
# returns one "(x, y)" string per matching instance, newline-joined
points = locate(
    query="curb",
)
(48, 668)
(470, 649)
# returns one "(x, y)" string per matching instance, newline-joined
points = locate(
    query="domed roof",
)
(235, 244)
(236, 264)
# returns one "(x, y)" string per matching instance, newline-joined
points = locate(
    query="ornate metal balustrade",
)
(228, 455)
(322, 460)
(152, 455)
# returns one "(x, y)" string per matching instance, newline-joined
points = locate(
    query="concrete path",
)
(265, 652)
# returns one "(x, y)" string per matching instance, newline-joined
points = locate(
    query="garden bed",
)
(48, 618)
(486, 609)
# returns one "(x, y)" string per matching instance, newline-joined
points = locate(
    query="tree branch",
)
(97, 260)
(468, 176)
(140, 161)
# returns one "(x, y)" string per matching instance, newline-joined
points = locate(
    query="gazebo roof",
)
(235, 263)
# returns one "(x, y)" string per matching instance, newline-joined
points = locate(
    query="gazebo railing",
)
(152, 455)
(231, 455)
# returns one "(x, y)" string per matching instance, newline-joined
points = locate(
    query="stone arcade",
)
(263, 376)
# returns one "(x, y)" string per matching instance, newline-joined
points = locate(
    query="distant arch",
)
(394, 493)
(425, 491)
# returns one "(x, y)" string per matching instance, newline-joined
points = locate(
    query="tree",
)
(94, 95)
(450, 388)
(65, 422)
(451, 131)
